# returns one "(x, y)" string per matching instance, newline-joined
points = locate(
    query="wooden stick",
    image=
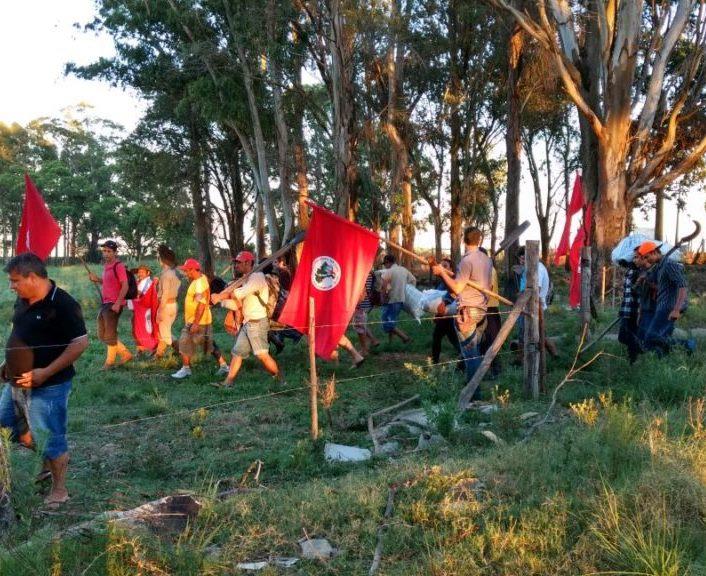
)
(511, 238)
(470, 388)
(377, 556)
(100, 294)
(314, 385)
(603, 281)
(470, 283)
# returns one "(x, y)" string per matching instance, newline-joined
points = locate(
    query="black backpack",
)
(131, 281)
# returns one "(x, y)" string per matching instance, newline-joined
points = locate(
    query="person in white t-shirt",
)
(251, 298)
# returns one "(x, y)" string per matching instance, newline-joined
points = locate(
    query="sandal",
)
(53, 503)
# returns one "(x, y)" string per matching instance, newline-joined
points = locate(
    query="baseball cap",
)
(245, 256)
(111, 244)
(647, 247)
(190, 264)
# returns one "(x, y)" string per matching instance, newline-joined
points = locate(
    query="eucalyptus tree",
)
(635, 72)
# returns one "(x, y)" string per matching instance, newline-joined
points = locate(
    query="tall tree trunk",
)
(455, 98)
(659, 215)
(512, 139)
(260, 246)
(196, 189)
(281, 131)
(341, 48)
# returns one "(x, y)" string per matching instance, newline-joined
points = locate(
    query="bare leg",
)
(235, 363)
(363, 339)
(58, 468)
(371, 337)
(271, 366)
(400, 334)
(346, 344)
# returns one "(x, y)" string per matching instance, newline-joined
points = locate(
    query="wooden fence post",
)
(313, 384)
(531, 336)
(470, 388)
(586, 286)
(603, 284)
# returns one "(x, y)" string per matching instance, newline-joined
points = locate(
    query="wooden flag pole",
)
(431, 261)
(100, 294)
(313, 384)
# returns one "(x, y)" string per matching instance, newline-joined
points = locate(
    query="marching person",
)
(444, 324)
(251, 300)
(144, 311)
(167, 294)
(670, 302)
(629, 311)
(472, 303)
(197, 332)
(114, 287)
(48, 336)
(394, 280)
(360, 317)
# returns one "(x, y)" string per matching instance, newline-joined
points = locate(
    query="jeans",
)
(470, 324)
(44, 410)
(390, 314)
(658, 336)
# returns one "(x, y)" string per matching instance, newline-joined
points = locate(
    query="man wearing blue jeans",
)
(48, 336)
(472, 303)
(394, 283)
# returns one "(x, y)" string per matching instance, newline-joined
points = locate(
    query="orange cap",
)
(646, 247)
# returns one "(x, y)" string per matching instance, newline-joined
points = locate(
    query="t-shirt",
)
(477, 267)
(670, 278)
(169, 283)
(41, 332)
(398, 277)
(542, 282)
(114, 275)
(197, 293)
(364, 304)
(253, 309)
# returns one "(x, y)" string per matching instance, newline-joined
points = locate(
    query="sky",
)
(38, 37)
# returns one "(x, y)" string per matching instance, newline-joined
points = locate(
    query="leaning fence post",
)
(531, 336)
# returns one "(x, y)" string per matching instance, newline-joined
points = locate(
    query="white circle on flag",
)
(325, 273)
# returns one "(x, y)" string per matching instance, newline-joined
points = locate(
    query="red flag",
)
(38, 232)
(574, 207)
(583, 238)
(335, 262)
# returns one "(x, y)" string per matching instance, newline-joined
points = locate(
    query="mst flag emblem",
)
(325, 273)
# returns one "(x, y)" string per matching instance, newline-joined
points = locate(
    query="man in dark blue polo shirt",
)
(48, 335)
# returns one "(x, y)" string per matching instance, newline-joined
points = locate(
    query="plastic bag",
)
(625, 249)
(413, 302)
(432, 300)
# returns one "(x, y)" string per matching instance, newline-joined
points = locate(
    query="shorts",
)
(390, 315)
(44, 411)
(252, 338)
(202, 341)
(108, 324)
(359, 322)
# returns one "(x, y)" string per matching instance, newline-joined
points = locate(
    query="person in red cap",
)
(197, 332)
(251, 298)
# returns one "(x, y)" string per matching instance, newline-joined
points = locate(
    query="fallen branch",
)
(377, 556)
(371, 424)
(569, 377)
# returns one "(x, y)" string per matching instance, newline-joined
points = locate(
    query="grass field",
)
(615, 483)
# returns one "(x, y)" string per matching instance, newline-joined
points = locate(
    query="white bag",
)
(625, 249)
(413, 302)
(432, 300)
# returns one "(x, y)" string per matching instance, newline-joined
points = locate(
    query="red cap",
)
(245, 256)
(646, 247)
(190, 264)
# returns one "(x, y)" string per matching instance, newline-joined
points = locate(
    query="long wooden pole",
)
(314, 383)
(470, 283)
(100, 294)
(586, 286)
(508, 325)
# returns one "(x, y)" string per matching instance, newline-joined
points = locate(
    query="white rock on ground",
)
(341, 453)
(316, 549)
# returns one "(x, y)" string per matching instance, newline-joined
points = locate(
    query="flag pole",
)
(100, 294)
(313, 385)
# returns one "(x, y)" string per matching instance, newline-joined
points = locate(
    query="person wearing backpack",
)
(115, 290)
(253, 298)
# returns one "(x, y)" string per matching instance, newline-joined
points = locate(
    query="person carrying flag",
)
(114, 287)
(144, 311)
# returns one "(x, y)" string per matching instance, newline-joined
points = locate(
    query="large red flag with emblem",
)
(38, 232)
(335, 262)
